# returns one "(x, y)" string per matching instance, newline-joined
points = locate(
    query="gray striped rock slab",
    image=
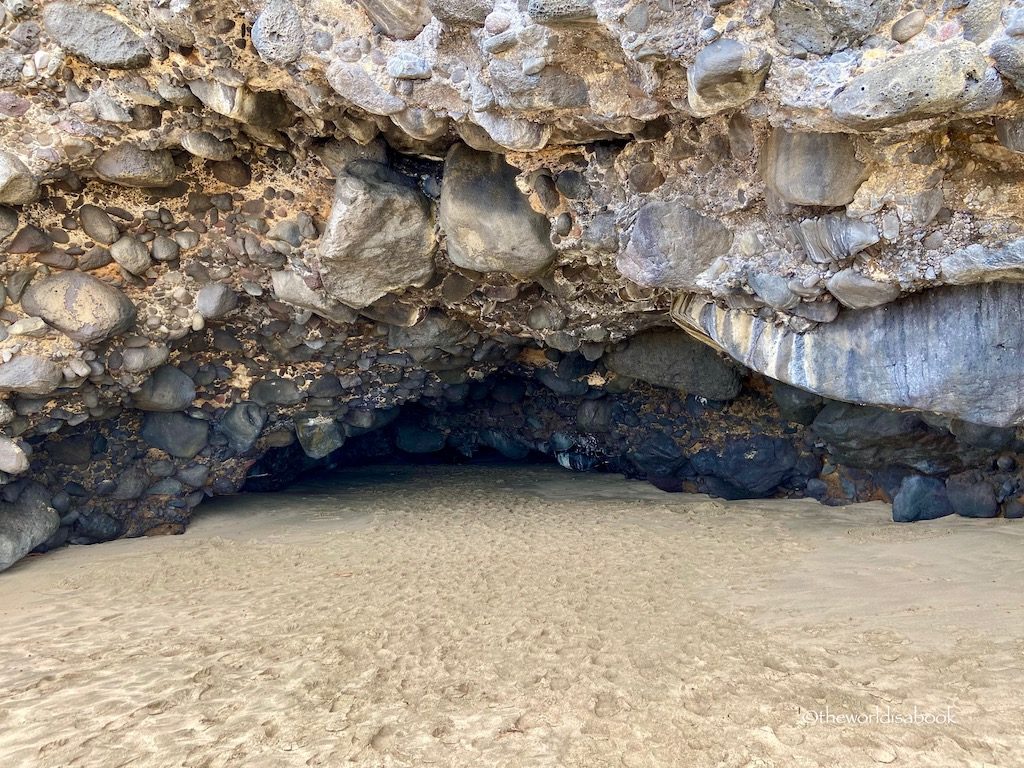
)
(957, 351)
(25, 524)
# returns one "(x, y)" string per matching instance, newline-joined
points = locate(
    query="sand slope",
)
(482, 617)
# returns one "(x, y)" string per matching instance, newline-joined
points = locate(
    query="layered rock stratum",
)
(749, 248)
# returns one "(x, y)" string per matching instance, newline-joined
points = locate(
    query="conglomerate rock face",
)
(242, 238)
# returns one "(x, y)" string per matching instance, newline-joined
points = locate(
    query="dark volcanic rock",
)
(276, 392)
(318, 434)
(970, 496)
(863, 436)
(658, 456)
(95, 527)
(242, 424)
(670, 358)
(175, 433)
(796, 405)
(167, 389)
(413, 439)
(748, 468)
(920, 498)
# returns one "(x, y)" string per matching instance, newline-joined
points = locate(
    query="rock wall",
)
(234, 231)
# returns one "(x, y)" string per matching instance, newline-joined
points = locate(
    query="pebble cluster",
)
(285, 234)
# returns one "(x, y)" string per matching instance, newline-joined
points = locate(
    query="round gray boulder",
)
(175, 433)
(80, 306)
(277, 33)
(167, 389)
(132, 166)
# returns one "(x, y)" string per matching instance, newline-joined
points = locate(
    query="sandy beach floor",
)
(519, 617)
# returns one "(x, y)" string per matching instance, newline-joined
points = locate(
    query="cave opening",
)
(661, 407)
(564, 410)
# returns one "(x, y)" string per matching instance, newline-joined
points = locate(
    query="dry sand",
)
(528, 617)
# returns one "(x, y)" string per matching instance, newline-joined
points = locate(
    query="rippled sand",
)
(526, 617)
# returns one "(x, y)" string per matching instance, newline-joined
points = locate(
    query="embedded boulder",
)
(858, 291)
(318, 434)
(167, 389)
(468, 12)
(945, 80)
(488, 223)
(670, 358)
(30, 375)
(401, 19)
(96, 37)
(725, 75)
(825, 26)
(242, 425)
(561, 11)
(671, 245)
(175, 433)
(277, 33)
(812, 168)
(131, 166)
(80, 306)
(98, 225)
(977, 263)
(216, 300)
(17, 184)
(291, 288)
(379, 238)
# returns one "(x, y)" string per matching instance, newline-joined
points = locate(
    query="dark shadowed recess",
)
(770, 441)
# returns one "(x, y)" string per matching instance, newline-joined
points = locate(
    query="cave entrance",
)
(572, 413)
